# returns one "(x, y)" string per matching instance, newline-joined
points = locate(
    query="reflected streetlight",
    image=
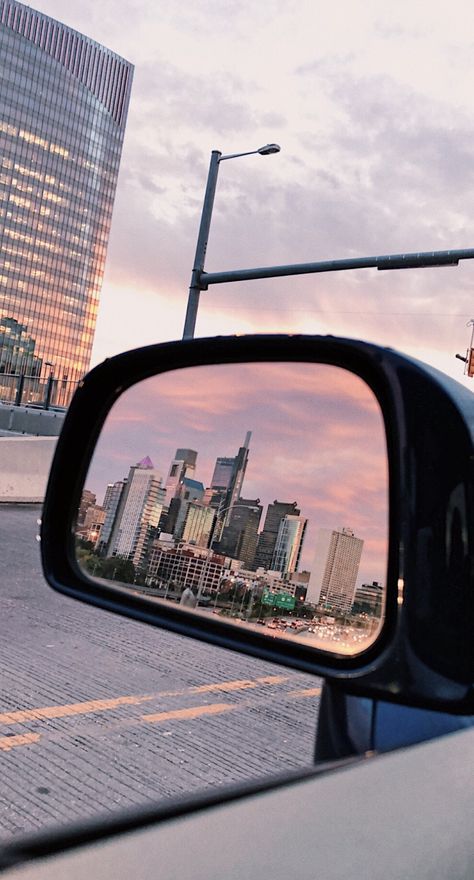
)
(203, 236)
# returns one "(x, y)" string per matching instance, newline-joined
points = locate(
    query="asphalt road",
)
(99, 713)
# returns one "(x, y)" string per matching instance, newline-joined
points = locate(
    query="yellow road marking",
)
(239, 685)
(72, 709)
(308, 692)
(272, 679)
(90, 706)
(10, 742)
(192, 712)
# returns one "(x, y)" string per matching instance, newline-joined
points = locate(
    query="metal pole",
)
(19, 389)
(49, 389)
(419, 260)
(203, 576)
(201, 247)
(243, 599)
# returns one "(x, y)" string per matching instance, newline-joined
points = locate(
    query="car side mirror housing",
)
(335, 538)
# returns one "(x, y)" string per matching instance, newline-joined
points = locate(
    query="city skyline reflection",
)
(273, 475)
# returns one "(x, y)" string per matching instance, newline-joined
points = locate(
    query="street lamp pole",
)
(201, 246)
(203, 235)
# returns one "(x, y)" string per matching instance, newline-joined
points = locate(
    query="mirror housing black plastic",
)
(424, 655)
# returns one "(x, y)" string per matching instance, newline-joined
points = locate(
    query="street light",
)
(267, 150)
(203, 235)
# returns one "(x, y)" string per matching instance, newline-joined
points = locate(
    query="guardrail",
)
(34, 391)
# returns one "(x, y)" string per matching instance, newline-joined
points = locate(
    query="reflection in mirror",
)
(255, 492)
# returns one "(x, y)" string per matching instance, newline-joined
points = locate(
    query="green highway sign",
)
(285, 600)
(278, 600)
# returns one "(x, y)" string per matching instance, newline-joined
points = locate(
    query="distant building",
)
(63, 107)
(335, 569)
(182, 466)
(227, 482)
(198, 524)
(300, 577)
(239, 538)
(138, 513)
(113, 494)
(188, 491)
(368, 599)
(274, 582)
(298, 581)
(222, 474)
(268, 536)
(92, 525)
(88, 499)
(17, 348)
(289, 543)
(186, 567)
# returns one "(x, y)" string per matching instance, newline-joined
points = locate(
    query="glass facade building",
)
(289, 543)
(63, 107)
(268, 536)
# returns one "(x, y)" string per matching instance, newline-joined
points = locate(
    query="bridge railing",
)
(44, 393)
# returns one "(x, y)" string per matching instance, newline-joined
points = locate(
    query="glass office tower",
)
(63, 107)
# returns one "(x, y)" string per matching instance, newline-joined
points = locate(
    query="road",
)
(99, 713)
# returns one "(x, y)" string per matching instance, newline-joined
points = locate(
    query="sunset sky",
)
(317, 439)
(372, 104)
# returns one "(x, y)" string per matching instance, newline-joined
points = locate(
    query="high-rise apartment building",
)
(63, 107)
(334, 572)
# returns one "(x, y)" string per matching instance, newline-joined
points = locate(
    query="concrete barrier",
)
(29, 420)
(24, 468)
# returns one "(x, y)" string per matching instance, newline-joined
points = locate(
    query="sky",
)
(372, 104)
(317, 438)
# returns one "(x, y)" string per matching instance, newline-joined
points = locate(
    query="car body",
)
(360, 811)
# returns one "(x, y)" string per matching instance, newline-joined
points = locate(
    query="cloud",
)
(317, 439)
(375, 119)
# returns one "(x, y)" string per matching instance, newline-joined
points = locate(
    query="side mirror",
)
(306, 500)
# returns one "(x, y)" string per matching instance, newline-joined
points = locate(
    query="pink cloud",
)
(317, 438)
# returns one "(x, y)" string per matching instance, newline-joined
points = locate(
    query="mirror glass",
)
(257, 492)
